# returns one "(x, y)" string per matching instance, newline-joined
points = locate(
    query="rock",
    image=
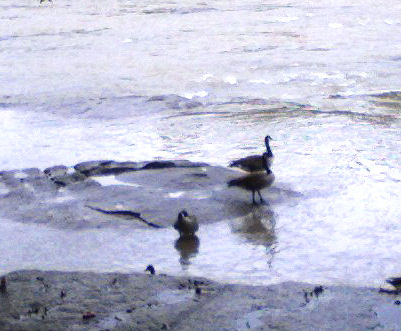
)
(87, 166)
(103, 168)
(109, 167)
(158, 165)
(156, 190)
(55, 171)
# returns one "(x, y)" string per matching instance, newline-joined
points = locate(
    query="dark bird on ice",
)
(254, 163)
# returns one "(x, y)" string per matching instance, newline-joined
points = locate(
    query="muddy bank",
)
(38, 300)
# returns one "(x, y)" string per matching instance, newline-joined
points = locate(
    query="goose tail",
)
(234, 163)
(232, 182)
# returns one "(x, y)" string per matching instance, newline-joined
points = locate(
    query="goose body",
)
(255, 181)
(186, 224)
(255, 163)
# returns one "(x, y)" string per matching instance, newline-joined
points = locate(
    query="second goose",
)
(254, 163)
(186, 224)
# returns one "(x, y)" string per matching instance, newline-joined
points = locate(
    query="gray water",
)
(206, 81)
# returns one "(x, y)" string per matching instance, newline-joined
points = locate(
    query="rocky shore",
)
(39, 300)
(77, 198)
(60, 196)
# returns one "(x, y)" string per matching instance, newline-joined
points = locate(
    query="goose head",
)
(182, 214)
(267, 138)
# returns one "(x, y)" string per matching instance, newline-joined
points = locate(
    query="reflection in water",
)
(188, 247)
(256, 226)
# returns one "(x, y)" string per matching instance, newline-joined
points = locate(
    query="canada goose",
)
(186, 224)
(254, 163)
(255, 181)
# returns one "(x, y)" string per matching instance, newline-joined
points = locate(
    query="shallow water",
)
(207, 81)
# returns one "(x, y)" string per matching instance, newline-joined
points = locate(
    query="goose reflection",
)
(188, 247)
(257, 225)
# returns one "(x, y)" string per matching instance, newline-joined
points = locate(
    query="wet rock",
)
(23, 173)
(173, 164)
(55, 171)
(109, 167)
(21, 187)
(158, 165)
(18, 178)
(173, 101)
(88, 166)
(68, 179)
(155, 190)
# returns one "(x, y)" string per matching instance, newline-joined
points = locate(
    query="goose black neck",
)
(265, 162)
(269, 151)
(268, 171)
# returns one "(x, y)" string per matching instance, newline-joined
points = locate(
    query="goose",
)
(255, 181)
(186, 224)
(254, 163)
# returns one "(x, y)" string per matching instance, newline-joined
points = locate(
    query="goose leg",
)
(253, 198)
(260, 196)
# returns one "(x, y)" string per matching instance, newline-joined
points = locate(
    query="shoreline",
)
(49, 300)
